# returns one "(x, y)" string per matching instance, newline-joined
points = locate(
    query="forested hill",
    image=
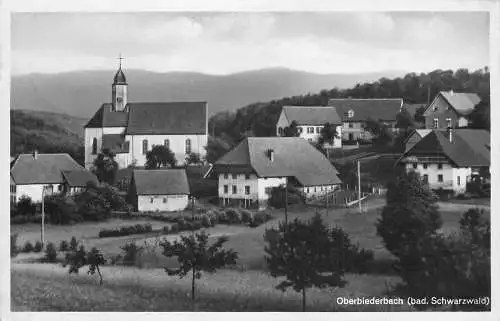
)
(259, 119)
(47, 133)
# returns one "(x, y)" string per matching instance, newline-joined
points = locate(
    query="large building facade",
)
(130, 130)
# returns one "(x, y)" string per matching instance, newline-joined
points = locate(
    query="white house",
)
(159, 190)
(30, 173)
(449, 159)
(247, 173)
(130, 130)
(310, 121)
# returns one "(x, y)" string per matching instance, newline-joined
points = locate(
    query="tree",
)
(105, 167)
(216, 148)
(193, 159)
(292, 130)
(328, 134)
(381, 132)
(404, 120)
(25, 206)
(306, 253)
(196, 256)
(480, 117)
(160, 156)
(76, 259)
(419, 115)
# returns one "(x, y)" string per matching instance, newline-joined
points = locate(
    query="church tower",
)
(119, 95)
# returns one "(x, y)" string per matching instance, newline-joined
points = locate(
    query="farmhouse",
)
(355, 113)
(130, 130)
(159, 190)
(310, 121)
(450, 109)
(247, 173)
(414, 137)
(449, 159)
(58, 173)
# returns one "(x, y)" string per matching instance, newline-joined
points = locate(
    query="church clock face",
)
(119, 100)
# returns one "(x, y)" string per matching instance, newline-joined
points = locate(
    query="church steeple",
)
(119, 89)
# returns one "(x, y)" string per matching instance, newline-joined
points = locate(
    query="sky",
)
(224, 43)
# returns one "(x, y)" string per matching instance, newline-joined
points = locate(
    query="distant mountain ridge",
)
(81, 93)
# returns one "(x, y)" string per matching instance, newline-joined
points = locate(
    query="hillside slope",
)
(81, 93)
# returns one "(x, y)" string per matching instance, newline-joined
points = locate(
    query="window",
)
(414, 166)
(436, 123)
(267, 190)
(151, 200)
(315, 189)
(426, 178)
(448, 122)
(226, 176)
(440, 178)
(59, 188)
(164, 200)
(350, 125)
(310, 130)
(226, 189)
(235, 189)
(345, 125)
(247, 190)
(425, 166)
(94, 146)
(235, 176)
(440, 166)
(307, 190)
(247, 176)
(280, 131)
(300, 130)
(188, 146)
(145, 147)
(309, 140)
(166, 143)
(458, 180)
(318, 130)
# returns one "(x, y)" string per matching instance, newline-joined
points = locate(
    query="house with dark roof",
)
(310, 120)
(448, 159)
(131, 129)
(450, 109)
(36, 174)
(159, 190)
(414, 137)
(356, 112)
(248, 172)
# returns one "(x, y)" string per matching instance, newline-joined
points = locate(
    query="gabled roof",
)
(363, 109)
(45, 169)
(293, 157)
(316, 115)
(469, 147)
(105, 117)
(420, 132)
(79, 178)
(167, 118)
(115, 143)
(161, 182)
(463, 103)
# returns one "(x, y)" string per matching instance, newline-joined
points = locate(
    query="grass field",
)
(248, 288)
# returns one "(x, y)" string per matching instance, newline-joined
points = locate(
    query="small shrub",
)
(126, 230)
(50, 253)
(64, 246)
(196, 225)
(205, 221)
(148, 227)
(246, 216)
(73, 244)
(165, 230)
(233, 216)
(131, 252)
(212, 215)
(14, 250)
(262, 217)
(174, 228)
(222, 217)
(38, 247)
(28, 247)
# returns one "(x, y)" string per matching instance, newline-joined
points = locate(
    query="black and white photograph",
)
(251, 161)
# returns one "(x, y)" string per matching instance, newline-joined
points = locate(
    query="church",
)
(131, 129)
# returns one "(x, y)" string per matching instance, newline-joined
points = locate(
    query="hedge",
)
(126, 230)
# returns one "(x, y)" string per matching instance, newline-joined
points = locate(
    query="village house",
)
(414, 137)
(57, 173)
(310, 121)
(247, 173)
(449, 159)
(356, 112)
(450, 109)
(130, 130)
(159, 190)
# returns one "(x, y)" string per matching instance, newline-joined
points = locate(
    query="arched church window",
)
(94, 146)
(145, 146)
(188, 146)
(166, 143)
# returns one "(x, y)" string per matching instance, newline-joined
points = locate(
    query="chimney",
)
(451, 92)
(270, 154)
(35, 154)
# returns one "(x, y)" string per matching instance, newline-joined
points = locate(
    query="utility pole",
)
(42, 231)
(428, 94)
(286, 200)
(327, 202)
(359, 186)
(192, 213)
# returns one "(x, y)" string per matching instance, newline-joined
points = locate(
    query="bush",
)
(165, 230)
(246, 216)
(23, 219)
(222, 217)
(73, 244)
(38, 247)
(233, 216)
(213, 216)
(63, 246)
(174, 228)
(50, 253)
(61, 210)
(205, 221)
(126, 230)
(28, 247)
(14, 250)
(131, 252)
(196, 225)
(262, 217)
(25, 206)
(277, 197)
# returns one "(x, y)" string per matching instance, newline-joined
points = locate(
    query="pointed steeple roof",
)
(120, 77)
